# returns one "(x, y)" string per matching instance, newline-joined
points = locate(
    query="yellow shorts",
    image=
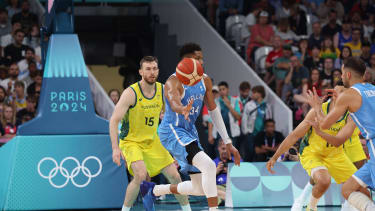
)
(338, 164)
(154, 155)
(354, 150)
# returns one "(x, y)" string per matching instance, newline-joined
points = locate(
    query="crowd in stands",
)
(21, 70)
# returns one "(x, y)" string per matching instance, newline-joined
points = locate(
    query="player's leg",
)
(140, 174)
(355, 189)
(172, 175)
(304, 197)
(322, 180)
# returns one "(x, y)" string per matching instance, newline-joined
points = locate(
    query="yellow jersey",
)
(316, 143)
(141, 122)
(356, 49)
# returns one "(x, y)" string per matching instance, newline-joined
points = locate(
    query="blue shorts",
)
(365, 176)
(174, 139)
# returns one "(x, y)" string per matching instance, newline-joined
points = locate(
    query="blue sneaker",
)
(148, 195)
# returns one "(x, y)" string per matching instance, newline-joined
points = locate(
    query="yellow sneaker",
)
(308, 208)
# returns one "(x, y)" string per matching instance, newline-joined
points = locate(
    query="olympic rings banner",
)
(60, 172)
(251, 185)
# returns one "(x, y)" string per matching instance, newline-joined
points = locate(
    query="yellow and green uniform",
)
(353, 148)
(316, 153)
(139, 139)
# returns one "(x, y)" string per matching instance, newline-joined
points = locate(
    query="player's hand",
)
(270, 165)
(315, 125)
(186, 109)
(313, 98)
(231, 150)
(226, 101)
(332, 93)
(117, 155)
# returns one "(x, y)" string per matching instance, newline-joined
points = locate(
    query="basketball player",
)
(320, 159)
(359, 100)
(139, 108)
(179, 136)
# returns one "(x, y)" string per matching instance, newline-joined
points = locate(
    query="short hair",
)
(245, 86)
(148, 59)
(356, 64)
(18, 31)
(260, 90)
(189, 48)
(269, 120)
(223, 83)
(19, 83)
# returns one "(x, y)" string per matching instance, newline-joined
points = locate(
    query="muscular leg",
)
(322, 180)
(140, 174)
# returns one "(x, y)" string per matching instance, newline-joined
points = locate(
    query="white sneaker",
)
(297, 206)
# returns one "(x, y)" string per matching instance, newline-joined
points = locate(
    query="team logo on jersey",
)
(140, 99)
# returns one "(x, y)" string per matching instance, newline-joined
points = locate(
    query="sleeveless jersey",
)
(196, 93)
(342, 40)
(364, 117)
(142, 119)
(316, 143)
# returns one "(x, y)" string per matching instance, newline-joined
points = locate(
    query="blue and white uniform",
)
(364, 119)
(175, 132)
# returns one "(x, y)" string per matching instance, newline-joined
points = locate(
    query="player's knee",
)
(324, 182)
(139, 176)
(345, 191)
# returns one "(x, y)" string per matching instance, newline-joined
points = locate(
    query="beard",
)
(150, 80)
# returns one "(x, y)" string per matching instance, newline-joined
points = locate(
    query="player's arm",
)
(344, 134)
(127, 99)
(291, 139)
(173, 92)
(217, 120)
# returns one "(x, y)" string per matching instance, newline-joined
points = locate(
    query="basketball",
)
(189, 71)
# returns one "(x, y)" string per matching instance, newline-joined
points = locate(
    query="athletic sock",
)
(212, 209)
(305, 195)
(162, 190)
(186, 207)
(125, 208)
(313, 203)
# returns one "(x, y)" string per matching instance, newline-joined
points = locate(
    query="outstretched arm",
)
(291, 139)
(173, 92)
(217, 120)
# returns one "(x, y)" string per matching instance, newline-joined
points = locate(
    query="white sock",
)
(313, 203)
(192, 187)
(125, 208)
(162, 190)
(361, 201)
(186, 207)
(212, 209)
(305, 195)
(208, 168)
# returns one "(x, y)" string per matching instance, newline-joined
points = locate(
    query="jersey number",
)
(194, 110)
(149, 121)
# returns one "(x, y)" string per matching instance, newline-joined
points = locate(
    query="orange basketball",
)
(189, 71)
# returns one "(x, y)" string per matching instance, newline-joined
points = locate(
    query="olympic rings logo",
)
(69, 176)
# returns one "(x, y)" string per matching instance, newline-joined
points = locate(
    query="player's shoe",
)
(308, 209)
(148, 196)
(297, 206)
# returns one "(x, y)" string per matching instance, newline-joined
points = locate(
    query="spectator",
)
(267, 141)
(33, 40)
(362, 7)
(365, 52)
(358, 24)
(336, 77)
(261, 34)
(285, 10)
(346, 52)
(281, 67)
(18, 97)
(272, 56)
(25, 17)
(314, 61)
(31, 73)
(16, 51)
(34, 88)
(8, 83)
(226, 9)
(13, 8)
(326, 75)
(114, 94)
(297, 76)
(343, 36)
(24, 63)
(298, 21)
(285, 33)
(5, 26)
(328, 49)
(230, 111)
(331, 28)
(329, 5)
(251, 20)
(8, 122)
(27, 113)
(254, 114)
(316, 37)
(8, 39)
(3, 95)
(302, 53)
(244, 92)
(314, 82)
(355, 45)
(371, 68)
(212, 6)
